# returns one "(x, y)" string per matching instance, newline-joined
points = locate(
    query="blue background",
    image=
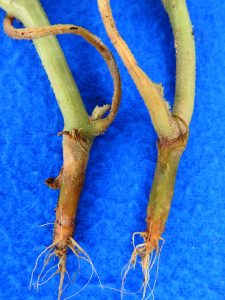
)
(122, 162)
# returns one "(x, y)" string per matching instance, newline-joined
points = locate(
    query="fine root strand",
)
(86, 257)
(37, 260)
(149, 256)
(62, 271)
(51, 251)
(46, 224)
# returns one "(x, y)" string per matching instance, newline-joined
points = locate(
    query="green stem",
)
(185, 58)
(31, 14)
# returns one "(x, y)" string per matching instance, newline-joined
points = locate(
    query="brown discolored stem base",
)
(70, 181)
(75, 157)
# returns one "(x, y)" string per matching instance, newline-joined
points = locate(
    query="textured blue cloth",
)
(121, 167)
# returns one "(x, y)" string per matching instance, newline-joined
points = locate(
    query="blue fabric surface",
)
(122, 162)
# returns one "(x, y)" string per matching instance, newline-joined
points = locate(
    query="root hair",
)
(52, 251)
(149, 255)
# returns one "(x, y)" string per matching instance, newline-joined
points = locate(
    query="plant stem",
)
(185, 58)
(31, 14)
(80, 129)
(169, 153)
(171, 143)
